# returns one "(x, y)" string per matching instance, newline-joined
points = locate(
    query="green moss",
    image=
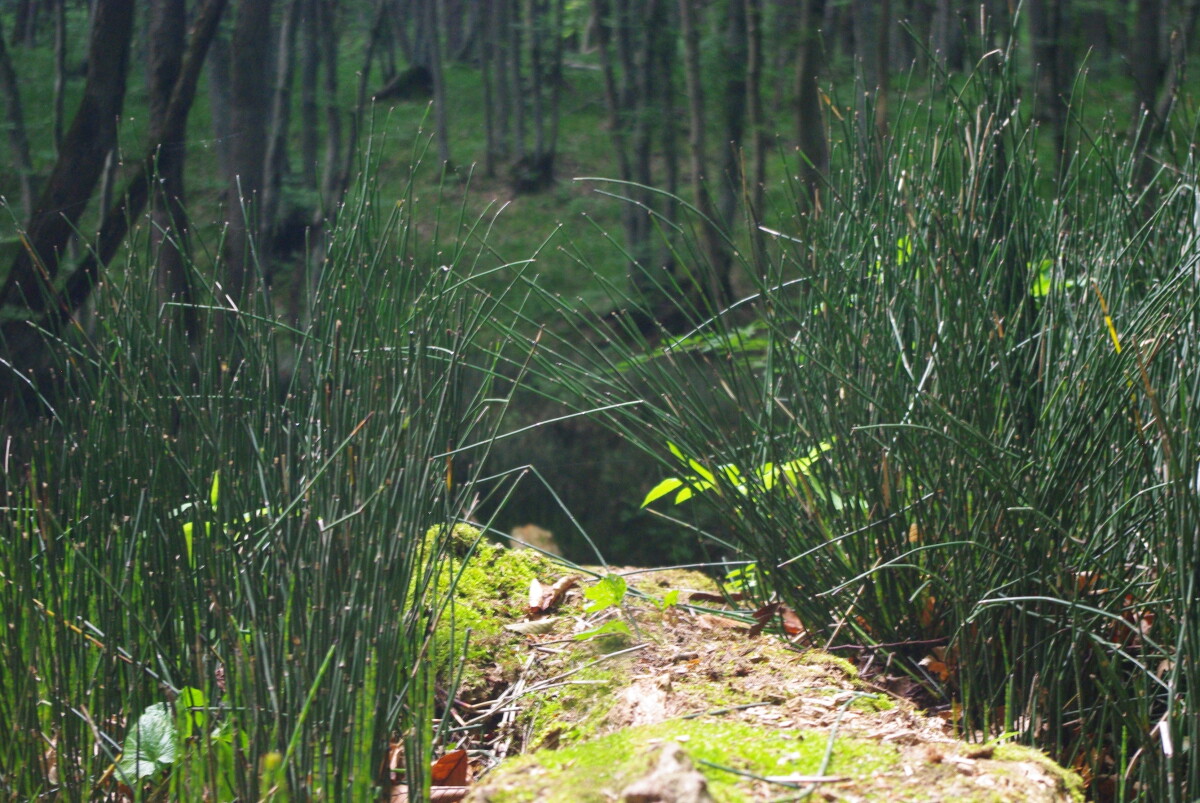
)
(824, 659)
(599, 769)
(872, 703)
(1069, 780)
(568, 714)
(491, 588)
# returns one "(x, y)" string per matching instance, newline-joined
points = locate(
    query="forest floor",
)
(646, 688)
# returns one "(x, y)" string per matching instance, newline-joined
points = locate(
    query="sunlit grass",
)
(994, 381)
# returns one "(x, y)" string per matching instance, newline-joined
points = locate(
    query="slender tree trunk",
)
(487, 72)
(93, 133)
(758, 167)
(18, 139)
(169, 221)
(331, 180)
(810, 125)
(883, 67)
(250, 102)
(733, 118)
(280, 123)
(310, 62)
(441, 114)
(1046, 18)
(60, 69)
(716, 279)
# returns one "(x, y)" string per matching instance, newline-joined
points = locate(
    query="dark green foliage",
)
(244, 514)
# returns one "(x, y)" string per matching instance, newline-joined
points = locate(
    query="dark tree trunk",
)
(810, 125)
(946, 35)
(93, 133)
(883, 67)
(169, 229)
(23, 346)
(310, 112)
(487, 72)
(250, 69)
(331, 178)
(1046, 29)
(18, 139)
(60, 69)
(731, 182)
(277, 138)
(758, 136)
(441, 114)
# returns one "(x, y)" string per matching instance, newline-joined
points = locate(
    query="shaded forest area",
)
(196, 127)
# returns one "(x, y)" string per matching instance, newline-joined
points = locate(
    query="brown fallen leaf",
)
(552, 596)
(790, 621)
(451, 769)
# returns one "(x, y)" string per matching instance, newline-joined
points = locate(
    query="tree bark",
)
(310, 112)
(60, 69)
(23, 346)
(280, 125)
(755, 120)
(441, 114)
(169, 221)
(18, 139)
(92, 134)
(249, 115)
(810, 125)
(1046, 29)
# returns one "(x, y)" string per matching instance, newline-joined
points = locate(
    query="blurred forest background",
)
(193, 129)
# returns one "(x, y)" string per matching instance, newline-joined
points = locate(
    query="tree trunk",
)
(810, 125)
(331, 179)
(93, 133)
(758, 136)
(1046, 30)
(22, 344)
(310, 62)
(440, 112)
(883, 67)
(60, 69)
(18, 139)
(169, 221)
(249, 115)
(280, 125)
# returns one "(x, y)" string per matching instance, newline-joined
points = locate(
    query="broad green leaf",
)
(701, 471)
(215, 493)
(192, 710)
(149, 746)
(662, 489)
(606, 593)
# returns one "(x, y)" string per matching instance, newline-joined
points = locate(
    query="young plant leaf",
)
(606, 593)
